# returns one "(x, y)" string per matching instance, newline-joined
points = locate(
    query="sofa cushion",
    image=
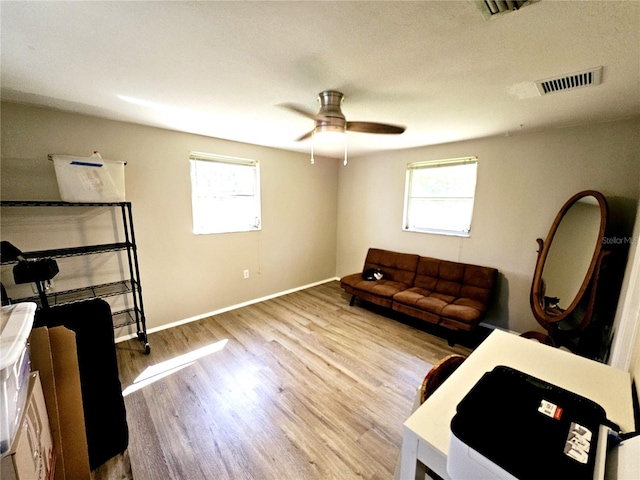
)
(463, 313)
(425, 299)
(439, 276)
(399, 270)
(478, 283)
(380, 292)
(384, 288)
(396, 267)
(463, 310)
(452, 290)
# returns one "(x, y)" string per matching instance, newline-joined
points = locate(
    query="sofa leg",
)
(451, 339)
(353, 300)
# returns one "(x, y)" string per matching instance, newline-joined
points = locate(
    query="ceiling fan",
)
(331, 119)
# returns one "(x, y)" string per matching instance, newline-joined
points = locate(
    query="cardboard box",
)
(53, 354)
(31, 456)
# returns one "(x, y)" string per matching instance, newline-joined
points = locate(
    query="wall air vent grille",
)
(492, 8)
(570, 82)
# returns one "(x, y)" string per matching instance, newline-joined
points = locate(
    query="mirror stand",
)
(565, 281)
(568, 331)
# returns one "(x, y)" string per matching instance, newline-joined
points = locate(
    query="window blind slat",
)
(221, 159)
(442, 163)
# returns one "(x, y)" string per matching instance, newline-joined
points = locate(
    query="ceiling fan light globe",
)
(329, 134)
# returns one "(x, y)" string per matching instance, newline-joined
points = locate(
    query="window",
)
(439, 196)
(225, 194)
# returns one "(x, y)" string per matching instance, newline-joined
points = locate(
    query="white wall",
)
(625, 351)
(523, 180)
(183, 275)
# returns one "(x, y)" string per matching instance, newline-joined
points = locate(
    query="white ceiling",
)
(222, 68)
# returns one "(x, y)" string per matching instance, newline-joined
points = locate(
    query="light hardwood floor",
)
(298, 387)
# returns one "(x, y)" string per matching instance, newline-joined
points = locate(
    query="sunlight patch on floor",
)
(163, 369)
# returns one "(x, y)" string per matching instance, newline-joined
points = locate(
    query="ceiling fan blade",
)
(371, 127)
(305, 136)
(300, 110)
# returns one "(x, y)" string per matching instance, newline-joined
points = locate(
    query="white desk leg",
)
(410, 467)
(421, 471)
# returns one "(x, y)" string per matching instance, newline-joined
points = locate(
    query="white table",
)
(426, 432)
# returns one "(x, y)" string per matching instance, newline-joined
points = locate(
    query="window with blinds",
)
(225, 194)
(439, 196)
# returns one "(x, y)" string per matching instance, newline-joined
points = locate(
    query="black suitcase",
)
(103, 403)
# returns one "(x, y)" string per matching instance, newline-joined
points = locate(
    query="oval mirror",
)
(568, 257)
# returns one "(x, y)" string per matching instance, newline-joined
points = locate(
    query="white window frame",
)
(410, 220)
(208, 214)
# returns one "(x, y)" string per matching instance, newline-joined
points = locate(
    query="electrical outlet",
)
(246, 274)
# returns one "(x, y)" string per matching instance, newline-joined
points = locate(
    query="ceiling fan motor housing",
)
(330, 117)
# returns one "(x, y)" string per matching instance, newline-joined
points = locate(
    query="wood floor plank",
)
(301, 386)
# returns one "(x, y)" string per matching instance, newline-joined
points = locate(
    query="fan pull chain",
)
(345, 150)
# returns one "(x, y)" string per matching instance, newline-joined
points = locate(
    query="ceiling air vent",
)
(572, 81)
(492, 8)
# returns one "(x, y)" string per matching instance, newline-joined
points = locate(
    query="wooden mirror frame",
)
(537, 305)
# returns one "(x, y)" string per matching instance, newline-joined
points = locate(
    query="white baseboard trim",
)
(223, 310)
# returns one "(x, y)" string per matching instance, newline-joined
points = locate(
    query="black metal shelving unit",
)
(130, 286)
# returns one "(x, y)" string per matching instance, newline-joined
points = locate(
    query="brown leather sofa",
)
(450, 294)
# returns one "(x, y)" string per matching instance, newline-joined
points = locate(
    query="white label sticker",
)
(550, 409)
(578, 443)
